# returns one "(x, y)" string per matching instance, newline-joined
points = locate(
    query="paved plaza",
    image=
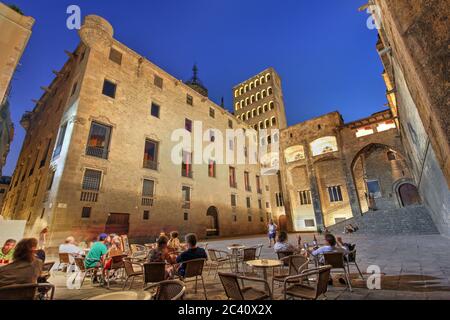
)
(412, 267)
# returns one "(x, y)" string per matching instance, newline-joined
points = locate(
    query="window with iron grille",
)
(98, 142)
(335, 194)
(109, 89)
(148, 187)
(279, 199)
(310, 223)
(158, 81)
(86, 212)
(186, 165)
(115, 56)
(60, 141)
(151, 154)
(146, 215)
(305, 197)
(189, 100)
(91, 180)
(155, 110)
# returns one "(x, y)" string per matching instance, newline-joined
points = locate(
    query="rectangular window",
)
(234, 218)
(212, 113)
(60, 141)
(373, 186)
(44, 156)
(247, 181)
(230, 124)
(249, 202)
(258, 184)
(305, 197)
(250, 218)
(232, 177)
(188, 125)
(91, 180)
(212, 136)
(233, 200)
(259, 203)
(155, 110)
(212, 169)
(189, 100)
(146, 215)
(98, 143)
(109, 89)
(86, 212)
(267, 205)
(279, 199)
(335, 194)
(186, 166)
(186, 195)
(147, 188)
(186, 216)
(115, 56)
(151, 155)
(310, 223)
(158, 81)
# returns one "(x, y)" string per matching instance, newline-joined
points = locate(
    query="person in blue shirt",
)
(332, 245)
(193, 252)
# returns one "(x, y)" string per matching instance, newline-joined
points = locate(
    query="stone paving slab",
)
(414, 267)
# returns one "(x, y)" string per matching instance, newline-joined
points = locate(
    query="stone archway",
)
(213, 226)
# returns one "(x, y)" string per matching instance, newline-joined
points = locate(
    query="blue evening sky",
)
(322, 50)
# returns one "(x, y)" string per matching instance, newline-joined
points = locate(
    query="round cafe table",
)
(124, 295)
(265, 264)
(235, 254)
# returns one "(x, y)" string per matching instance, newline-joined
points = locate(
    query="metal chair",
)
(130, 272)
(296, 265)
(154, 272)
(336, 261)
(194, 269)
(79, 262)
(350, 259)
(248, 254)
(26, 291)
(168, 290)
(258, 250)
(218, 258)
(284, 254)
(235, 291)
(308, 292)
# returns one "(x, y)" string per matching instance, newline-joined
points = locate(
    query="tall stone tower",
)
(258, 101)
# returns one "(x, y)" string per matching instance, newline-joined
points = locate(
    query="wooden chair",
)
(130, 272)
(79, 262)
(294, 285)
(64, 260)
(233, 285)
(296, 265)
(154, 272)
(194, 269)
(27, 291)
(336, 261)
(168, 290)
(217, 259)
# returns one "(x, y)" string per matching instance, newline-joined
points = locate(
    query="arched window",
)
(246, 88)
(240, 90)
(256, 127)
(253, 113)
(236, 106)
(266, 123)
(269, 139)
(258, 96)
(268, 77)
(259, 110)
(266, 108)
(275, 137)
(264, 93)
(241, 103)
(243, 116)
(256, 82)
(252, 99)
(271, 105)
(261, 125)
(324, 145)
(248, 115)
(273, 121)
(247, 101)
(270, 91)
(236, 93)
(262, 80)
(251, 85)
(238, 116)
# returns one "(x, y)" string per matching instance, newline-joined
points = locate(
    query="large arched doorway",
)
(213, 225)
(408, 194)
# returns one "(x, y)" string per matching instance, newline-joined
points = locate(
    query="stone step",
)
(408, 220)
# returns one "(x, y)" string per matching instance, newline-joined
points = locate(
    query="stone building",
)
(15, 33)
(4, 185)
(98, 153)
(413, 46)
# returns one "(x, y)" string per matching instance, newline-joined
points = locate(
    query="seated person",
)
(69, 246)
(192, 253)
(98, 250)
(7, 251)
(25, 268)
(332, 245)
(174, 243)
(282, 243)
(161, 254)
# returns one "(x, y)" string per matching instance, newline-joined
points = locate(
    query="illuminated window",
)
(387, 125)
(324, 145)
(361, 132)
(98, 142)
(294, 153)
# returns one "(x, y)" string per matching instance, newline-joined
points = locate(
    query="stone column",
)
(314, 187)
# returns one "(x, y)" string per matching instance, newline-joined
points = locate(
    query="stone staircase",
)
(402, 221)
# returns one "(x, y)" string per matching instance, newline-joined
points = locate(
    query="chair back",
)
(79, 262)
(249, 254)
(19, 292)
(322, 280)
(231, 286)
(297, 264)
(212, 254)
(154, 272)
(64, 258)
(47, 267)
(259, 250)
(128, 266)
(194, 268)
(334, 259)
(170, 290)
(284, 254)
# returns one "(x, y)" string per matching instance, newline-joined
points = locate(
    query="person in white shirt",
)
(272, 232)
(332, 245)
(71, 248)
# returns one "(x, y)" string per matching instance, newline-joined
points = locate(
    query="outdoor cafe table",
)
(265, 264)
(235, 254)
(124, 295)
